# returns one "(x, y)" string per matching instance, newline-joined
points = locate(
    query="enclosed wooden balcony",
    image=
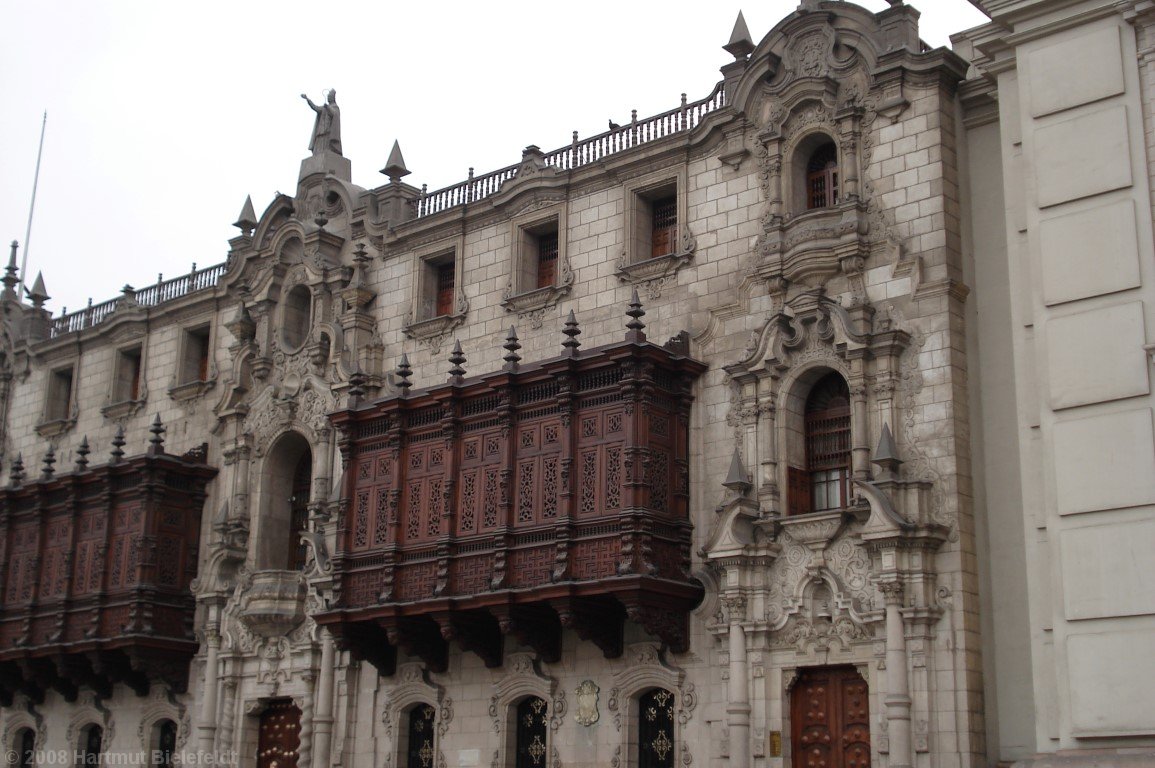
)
(541, 497)
(95, 567)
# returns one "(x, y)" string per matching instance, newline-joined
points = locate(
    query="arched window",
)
(822, 177)
(90, 746)
(828, 443)
(418, 748)
(163, 743)
(656, 729)
(25, 742)
(532, 714)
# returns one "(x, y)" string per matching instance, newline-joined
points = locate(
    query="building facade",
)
(808, 423)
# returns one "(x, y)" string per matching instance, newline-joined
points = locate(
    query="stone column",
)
(323, 715)
(738, 710)
(241, 482)
(859, 443)
(208, 720)
(897, 698)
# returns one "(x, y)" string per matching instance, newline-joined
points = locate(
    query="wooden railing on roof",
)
(634, 134)
(150, 296)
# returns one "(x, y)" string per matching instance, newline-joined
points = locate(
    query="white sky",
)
(163, 116)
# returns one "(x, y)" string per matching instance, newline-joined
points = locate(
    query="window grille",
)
(546, 259)
(822, 178)
(531, 733)
(419, 750)
(828, 443)
(446, 278)
(656, 729)
(663, 237)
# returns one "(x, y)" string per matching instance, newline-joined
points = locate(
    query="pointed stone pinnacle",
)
(247, 221)
(736, 479)
(49, 461)
(38, 294)
(741, 44)
(395, 165)
(886, 456)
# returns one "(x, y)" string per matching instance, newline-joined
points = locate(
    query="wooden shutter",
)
(797, 491)
(546, 259)
(446, 278)
(663, 238)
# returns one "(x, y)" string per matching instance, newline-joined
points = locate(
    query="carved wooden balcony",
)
(522, 502)
(95, 567)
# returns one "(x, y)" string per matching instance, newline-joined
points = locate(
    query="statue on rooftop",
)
(327, 126)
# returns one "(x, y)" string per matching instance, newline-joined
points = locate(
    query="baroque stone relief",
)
(413, 687)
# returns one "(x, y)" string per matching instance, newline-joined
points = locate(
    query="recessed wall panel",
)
(1083, 156)
(1089, 253)
(1076, 71)
(1111, 678)
(1096, 356)
(1104, 462)
(1107, 570)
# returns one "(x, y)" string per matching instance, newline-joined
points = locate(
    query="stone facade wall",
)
(897, 287)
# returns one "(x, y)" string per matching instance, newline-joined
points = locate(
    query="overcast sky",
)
(163, 116)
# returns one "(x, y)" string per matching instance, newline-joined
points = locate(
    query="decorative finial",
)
(456, 358)
(156, 442)
(16, 472)
(117, 445)
(740, 45)
(511, 345)
(404, 371)
(49, 461)
(356, 386)
(247, 221)
(395, 166)
(82, 455)
(11, 272)
(635, 327)
(571, 332)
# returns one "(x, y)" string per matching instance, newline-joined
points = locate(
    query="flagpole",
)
(31, 209)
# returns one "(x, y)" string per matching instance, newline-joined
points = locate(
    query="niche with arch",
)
(286, 487)
(817, 420)
(296, 317)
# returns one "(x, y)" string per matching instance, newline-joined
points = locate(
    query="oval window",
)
(295, 318)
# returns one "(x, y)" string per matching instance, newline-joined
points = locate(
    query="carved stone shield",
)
(587, 703)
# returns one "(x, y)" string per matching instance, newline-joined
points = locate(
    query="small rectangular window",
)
(195, 361)
(128, 373)
(59, 404)
(653, 215)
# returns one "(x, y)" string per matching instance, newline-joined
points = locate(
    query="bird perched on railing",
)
(614, 126)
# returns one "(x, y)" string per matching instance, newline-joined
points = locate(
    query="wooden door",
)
(279, 736)
(830, 719)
